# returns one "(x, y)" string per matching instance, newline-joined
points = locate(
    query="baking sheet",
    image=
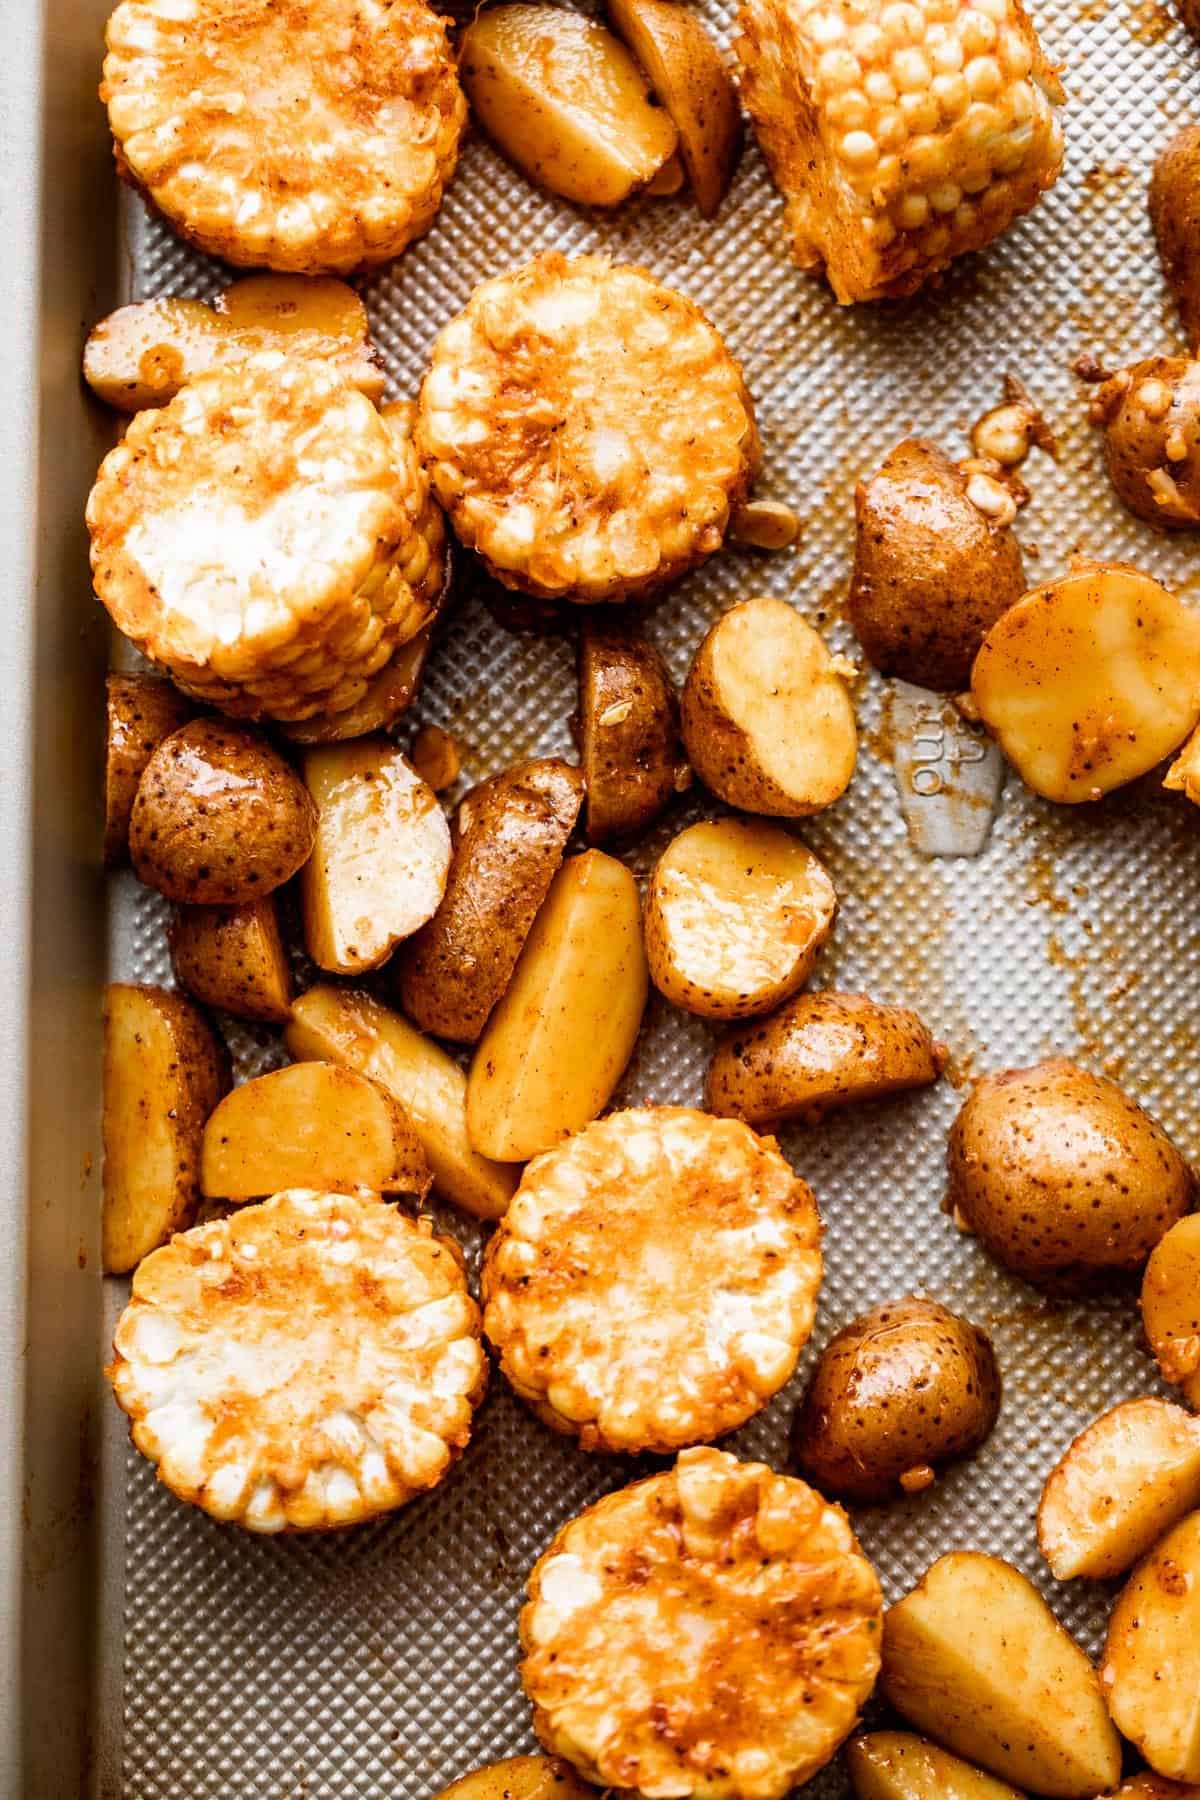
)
(382, 1662)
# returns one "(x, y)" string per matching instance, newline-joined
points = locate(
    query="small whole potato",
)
(907, 1386)
(1175, 211)
(219, 818)
(1062, 1176)
(932, 572)
(1151, 419)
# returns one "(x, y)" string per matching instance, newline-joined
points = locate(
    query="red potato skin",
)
(1138, 436)
(1175, 208)
(142, 710)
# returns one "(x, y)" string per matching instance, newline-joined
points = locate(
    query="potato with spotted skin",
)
(689, 76)
(907, 1386)
(1150, 415)
(819, 1052)
(1171, 1306)
(1150, 1672)
(1175, 209)
(232, 958)
(633, 761)
(1061, 1176)
(898, 1765)
(521, 1778)
(220, 818)
(141, 711)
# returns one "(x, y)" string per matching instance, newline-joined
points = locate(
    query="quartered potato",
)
(334, 1024)
(558, 1042)
(908, 1386)
(819, 1052)
(313, 1125)
(510, 836)
(232, 958)
(896, 1765)
(565, 101)
(1151, 1669)
(1171, 1306)
(1175, 211)
(975, 1655)
(382, 853)
(1123, 1482)
(689, 76)
(141, 711)
(1150, 414)
(633, 762)
(164, 1072)
(521, 1778)
(1090, 680)
(736, 916)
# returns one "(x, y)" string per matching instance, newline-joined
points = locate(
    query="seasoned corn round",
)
(586, 429)
(712, 1631)
(306, 135)
(309, 1362)
(268, 538)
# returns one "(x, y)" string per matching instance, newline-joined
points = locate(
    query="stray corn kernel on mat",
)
(383, 1661)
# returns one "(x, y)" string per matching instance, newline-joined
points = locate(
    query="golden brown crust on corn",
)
(268, 538)
(711, 1631)
(902, 133)
(305, 135)
(586, 429)
(307, 1363)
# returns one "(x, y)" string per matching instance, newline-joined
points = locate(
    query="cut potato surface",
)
(730, 1600)
(1151, 1673)
(1171, 1306)
(565, 101)
(1090, 681)
(895, 1765)
(586, 429)
(1183, 776)
(141, 710)
(975, 1655)
(520, 1778)
(1123, 1482)
(337, 1025)
(307, 1363)
(561, 1036)
(164, 1072)
(334, 156)
(736, 916)
(767, 719)
(232, 958)
(314, 1125)
(654, 1280)
(382, 853)
(633, 762)
(689, 75)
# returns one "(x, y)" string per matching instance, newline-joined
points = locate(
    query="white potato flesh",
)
(897, 1765)
(1123, 1482)
(1151, 1671)
(1090, 681)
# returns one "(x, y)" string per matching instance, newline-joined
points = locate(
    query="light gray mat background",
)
(382, 1662)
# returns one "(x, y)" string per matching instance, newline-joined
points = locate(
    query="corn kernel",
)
(911, 71)
(947, 56)
(826, 28)
(902, 22)
(859, 149)
(945, 197)
(838, 69)
(880, 87)
(983, 78)
(964, 221)
(1154, 398)
(912, 212)
(977, 33)
(869, 43)
(1015, 54)
(920, 111)
(950, 92)
(982, 125)
(890, 129)
(849, 111)
(1020, 101)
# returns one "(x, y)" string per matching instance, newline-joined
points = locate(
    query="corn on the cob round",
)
(901, 133)
(712, 1631)
(268, 538)
(586, 429)
(306, 135)
(306, 1363)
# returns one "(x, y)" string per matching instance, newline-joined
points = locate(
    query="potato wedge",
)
(1148, 1786)
(1124, 1481)
(521, 1778)
(389, 694)
(557, 1044)
(219, 817)
(164, 1072)
(1090, 681)
(767, 720)
(736, 916)
(336, 1025)
(818, 1052)
(141, 710)
(232, 958)
(565, 101)
(313, 1125)
(633, 761)
(1171, 1306)
(382, 853)
(690, 78)
(896, 1765)
(1151, 1669)
(974, 1654)
(434, 754)
(511, 836)
(1175, 211)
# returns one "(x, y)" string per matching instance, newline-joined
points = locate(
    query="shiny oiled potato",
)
(521, 1778)
(818, 1052)
(1175, 215)
(736, 916)
(1151, 1670)
(1151, 419)
(1123, 1482)
(767, 720)
(141, 711)
(1062, 1176)
(932, 571)
(689, 75)
(220, 818)
(1090, 680)
(897, 1765)
(904, 1388)
(565, 101)
(633, 762)
(1148, 1786)
(233, 958)
(975, 1655)
(1183, 776)
(1171, 1306)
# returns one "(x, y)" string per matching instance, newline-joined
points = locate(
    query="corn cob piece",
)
(902, 133)
(268, 538)
(314, 136)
